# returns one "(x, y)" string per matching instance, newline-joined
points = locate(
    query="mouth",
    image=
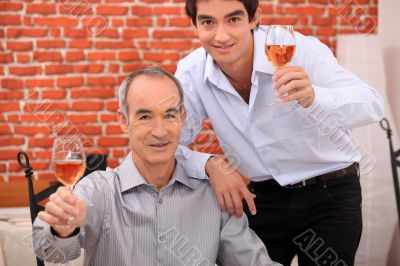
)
(159, 146)
(223, 49)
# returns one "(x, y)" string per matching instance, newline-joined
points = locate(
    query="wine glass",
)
(69, 162)
(280, 46)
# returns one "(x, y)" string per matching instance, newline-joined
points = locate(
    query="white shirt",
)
(288, 143)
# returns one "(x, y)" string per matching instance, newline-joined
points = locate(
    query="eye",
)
(144, 117)
(234, 19)
(207, 22)
(170, 116)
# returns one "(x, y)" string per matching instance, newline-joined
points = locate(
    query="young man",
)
(147, 211)
(299, 155)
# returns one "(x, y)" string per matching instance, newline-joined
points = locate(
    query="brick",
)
(87, 106)
(47, 56)
(8, 154)
(113, 68)
(5, 129)
(55, 21)
(109, 118)
(23, 58)
(32, 130)
(115, 45)
(89, 68)
(95, 56)
(267, 9)
(305, 10)
(173, 34)
(133, 67)
(58, 69)
(108, 10)
(173, 45)
(39, 83)
(42, 8)
(74, 56)
(11, 95)
(40, 142)
(42, 155)
(326, 31)
(179, 22)
(90, 130)
(82, 118)
(101, 81)
(14, 118)
(292, 1)
(75, 33)
(160, 56)
(128, 56)
(9, 106)
(139, 22)
(48, 117)
(19, 46)
(142, 11)
(284, 20)
(25, 71)
(168, 10)
(305, 31)
(51, 44)
(102, 93)
(161, 22)
(117, 22)
(6, 58)
(76, 9)
(8, 6)
(108, 33)
(10, 20)
(37, 166)
(80, 44)
(70, 82)
(10, 83)
(17, 32)
(110, 129)
(130, 34)
(45, 106)
(11, 141)
(54, 94)
(112, 106)
(112, 142)
(119, 153)
(171, 68)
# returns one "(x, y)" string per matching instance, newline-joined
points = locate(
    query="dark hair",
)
(249, 5)
(151, 71)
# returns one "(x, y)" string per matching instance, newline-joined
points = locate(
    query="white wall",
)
(389, 31)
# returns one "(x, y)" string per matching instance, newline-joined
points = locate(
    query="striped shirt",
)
(129, 222)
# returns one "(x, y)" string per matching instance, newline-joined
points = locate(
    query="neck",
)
(155, 174)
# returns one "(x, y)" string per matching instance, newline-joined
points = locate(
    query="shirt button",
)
(160, 201)
(161, 238)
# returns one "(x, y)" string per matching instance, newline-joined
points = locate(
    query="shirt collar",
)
(129, 176)
(260, 61)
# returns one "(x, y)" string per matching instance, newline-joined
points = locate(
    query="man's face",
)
(155, 120)
(224, 29)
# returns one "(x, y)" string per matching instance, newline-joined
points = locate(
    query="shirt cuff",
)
(198, 161)
(63, 242)
(323, 97)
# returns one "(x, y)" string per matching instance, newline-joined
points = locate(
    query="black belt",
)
(352, 169)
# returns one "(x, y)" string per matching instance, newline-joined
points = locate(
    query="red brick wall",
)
(58, 75)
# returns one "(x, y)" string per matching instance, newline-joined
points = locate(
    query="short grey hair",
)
(151, 71)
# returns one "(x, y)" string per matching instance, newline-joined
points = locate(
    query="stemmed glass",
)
(69, 161)
(280, 46)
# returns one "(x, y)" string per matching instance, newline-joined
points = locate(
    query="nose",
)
(221, 34)
(159, 129)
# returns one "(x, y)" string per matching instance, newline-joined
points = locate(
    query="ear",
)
(122, 121)
(256, 19)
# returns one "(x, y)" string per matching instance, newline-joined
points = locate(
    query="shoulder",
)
(96, 184)
(192, 63)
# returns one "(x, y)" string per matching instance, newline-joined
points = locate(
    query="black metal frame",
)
(394, 158)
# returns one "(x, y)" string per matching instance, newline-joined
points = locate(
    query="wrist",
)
(65, 232)
(211, 164)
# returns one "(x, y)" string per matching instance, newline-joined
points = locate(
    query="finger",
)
(237, 202)
(221, 202)
(292, 87)
(48, 218)
(60, 202)
(287, 77)
(67, 196)
(249, 198)
(56, 211)
(229, 203)
(294, 96)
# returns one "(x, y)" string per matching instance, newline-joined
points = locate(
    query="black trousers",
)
(321, 223)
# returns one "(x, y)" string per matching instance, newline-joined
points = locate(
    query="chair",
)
(93, 162)
(394, 158)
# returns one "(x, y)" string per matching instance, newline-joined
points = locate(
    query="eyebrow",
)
(172, 110)
(142, 111)
(232, 14)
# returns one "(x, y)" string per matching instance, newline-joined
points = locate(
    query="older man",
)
(147, 211)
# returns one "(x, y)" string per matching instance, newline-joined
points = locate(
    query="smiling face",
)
(154, 121)
(224, 30)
